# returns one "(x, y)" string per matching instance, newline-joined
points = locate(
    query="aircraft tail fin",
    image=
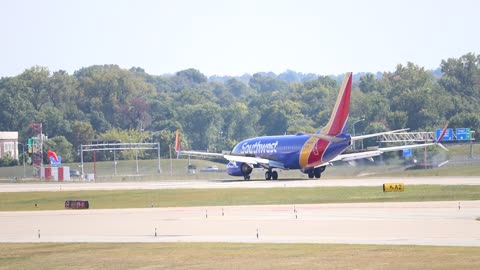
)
(338, 120)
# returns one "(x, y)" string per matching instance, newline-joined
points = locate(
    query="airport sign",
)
(393, 187)
(448, 135)
(407, 153)
(463, 134)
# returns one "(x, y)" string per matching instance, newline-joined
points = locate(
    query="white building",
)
(9, 144)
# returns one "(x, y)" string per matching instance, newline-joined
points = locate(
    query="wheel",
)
(274, 175)
(268, 175)
(310, 174)
(246, 177)
(317, 172)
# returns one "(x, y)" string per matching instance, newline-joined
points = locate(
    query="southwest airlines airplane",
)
(309, 153)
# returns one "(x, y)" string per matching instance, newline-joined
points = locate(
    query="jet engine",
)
(238, 169)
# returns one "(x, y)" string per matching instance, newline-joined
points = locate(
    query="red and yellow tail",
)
(338, 120)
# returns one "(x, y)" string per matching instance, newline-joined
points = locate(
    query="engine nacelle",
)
(238, 168)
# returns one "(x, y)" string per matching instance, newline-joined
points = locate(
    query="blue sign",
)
(463, 134)
(407, 153)
(448, 135)
(56, 163)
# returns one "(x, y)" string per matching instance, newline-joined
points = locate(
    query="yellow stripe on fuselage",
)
(306, 150)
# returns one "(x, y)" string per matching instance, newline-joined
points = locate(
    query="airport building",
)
(9, 144)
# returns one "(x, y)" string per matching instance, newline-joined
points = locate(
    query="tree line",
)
(111, 103)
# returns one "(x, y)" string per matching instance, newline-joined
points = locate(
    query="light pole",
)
(363, 119)
(136, 153)
(114, 163)
(136, 157)
(23, 157)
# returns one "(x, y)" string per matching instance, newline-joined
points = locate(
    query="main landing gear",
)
(317, 172)
(271, 175)
(246, 171)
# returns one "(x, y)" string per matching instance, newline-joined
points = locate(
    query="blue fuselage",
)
(288, 149)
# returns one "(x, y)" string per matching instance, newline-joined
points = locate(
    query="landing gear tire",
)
(246, 170)
(269, 175)
(310, 174)
(317, 172)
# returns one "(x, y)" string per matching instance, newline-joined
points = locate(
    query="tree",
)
(82, 133)
(369, 84)
(17, 111)
(266, 84)
(239, 124)
(62, 89)
(237, 88)
(8, 161)
(462, 76)
(191, 75)
(111, 90)
(274, 120)
(126, 136)
(53, 122)
(203, 124)
(35, 84)
(466, 120)
(414, 90)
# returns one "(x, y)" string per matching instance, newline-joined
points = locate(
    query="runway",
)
(173, 184)
(425, 223)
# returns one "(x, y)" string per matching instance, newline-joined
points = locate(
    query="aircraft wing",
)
(361, 137)
(201, 154)
(379, 151)
(354, 156)
(263, 162)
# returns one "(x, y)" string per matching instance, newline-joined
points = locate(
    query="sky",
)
(234, 37)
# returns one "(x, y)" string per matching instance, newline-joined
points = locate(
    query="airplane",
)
(309, 153)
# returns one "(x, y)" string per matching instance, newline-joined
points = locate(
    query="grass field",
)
(113, 199)
(234, 256)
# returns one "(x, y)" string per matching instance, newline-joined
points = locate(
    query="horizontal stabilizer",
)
(326, 137)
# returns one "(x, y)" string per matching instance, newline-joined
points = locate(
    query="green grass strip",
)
(107, 256)
(113, 199)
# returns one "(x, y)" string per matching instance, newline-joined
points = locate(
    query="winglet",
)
(440, 138)
(177, 141)
(326, 137)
